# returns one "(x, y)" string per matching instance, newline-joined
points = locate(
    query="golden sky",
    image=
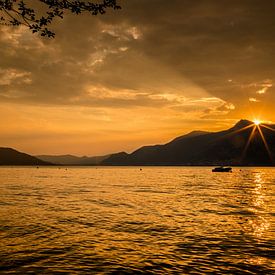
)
(141, 75)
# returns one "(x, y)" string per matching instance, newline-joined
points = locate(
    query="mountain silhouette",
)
(9, 156)
(235, 146)
(72, 160)
(228, 147)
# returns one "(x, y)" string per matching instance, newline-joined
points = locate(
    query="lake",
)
(132, 220)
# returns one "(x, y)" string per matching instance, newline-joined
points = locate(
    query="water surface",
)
(123, 220)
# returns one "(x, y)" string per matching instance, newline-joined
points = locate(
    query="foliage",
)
(19, 12)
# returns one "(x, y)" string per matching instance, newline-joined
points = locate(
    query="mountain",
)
(228, 147)
(191, 134)
(9, 156)
(72, 160)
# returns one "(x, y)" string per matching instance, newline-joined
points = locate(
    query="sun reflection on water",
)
(259, 196)
(259, 224)
(164, 220)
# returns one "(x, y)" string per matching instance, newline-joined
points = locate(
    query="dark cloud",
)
(193, 49)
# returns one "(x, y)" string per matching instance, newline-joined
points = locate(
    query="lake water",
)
(123, 220)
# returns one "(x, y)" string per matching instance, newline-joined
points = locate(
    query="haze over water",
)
(125, 220)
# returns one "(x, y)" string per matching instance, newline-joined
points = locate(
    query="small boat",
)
(222, 169)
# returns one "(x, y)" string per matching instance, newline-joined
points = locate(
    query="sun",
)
(256, 121)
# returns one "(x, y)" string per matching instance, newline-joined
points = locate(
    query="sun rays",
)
(269, 128)
(265, 143)
(249, 140)
(242, 129)
(257, 128)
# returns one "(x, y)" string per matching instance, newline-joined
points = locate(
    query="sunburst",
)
(249, 140)
(257, 122)
(257, 127)
(269, 128)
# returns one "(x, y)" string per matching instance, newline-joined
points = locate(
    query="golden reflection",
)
(257, 261)
(259, 224)
(258, 190)
(123, 217)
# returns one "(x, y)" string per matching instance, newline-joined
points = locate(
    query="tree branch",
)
(27, 16)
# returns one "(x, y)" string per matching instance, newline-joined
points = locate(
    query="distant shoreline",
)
(102, 166)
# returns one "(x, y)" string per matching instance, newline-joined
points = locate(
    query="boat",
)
(222, 169)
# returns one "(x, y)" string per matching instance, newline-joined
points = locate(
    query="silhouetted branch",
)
(17, 12)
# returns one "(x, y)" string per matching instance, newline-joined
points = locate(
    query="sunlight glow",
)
(257, 121)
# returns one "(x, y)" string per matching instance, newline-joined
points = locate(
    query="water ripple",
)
(165, 220)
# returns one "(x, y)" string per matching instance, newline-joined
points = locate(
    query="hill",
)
(9, 156)
(228, 147)
(72, 160)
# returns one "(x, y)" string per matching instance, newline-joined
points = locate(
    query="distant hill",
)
(191, 134)
(227, 147)
(9, 156)
(72, 160)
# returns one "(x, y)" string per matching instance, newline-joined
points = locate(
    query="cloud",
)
(161, 64)
(142, 47)
(253, 99)
(9, 76)
(224, 108)
(267, 84)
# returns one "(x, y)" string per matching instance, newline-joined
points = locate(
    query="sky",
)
(141, 75)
